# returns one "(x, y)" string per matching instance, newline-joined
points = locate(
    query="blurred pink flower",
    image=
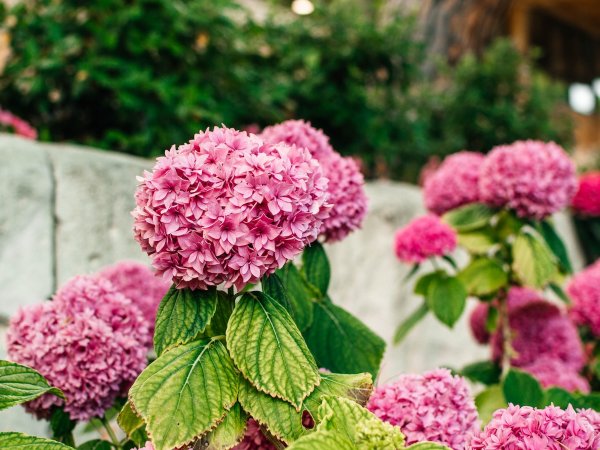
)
(435, 406)
(584, 290)
(533, 178)
(551, 428)
(88, 342)
(228, 208)
(552, 372)
(423, 238)
(18, 125)
(587, 197)
(454, 183)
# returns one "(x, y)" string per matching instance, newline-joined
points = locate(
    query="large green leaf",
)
(21, 441)
(315, 267)
(96, 444)
(357, 388)
(269, 350)
(486, 372)
(556, 244)
(131, 424)
(483, 276)
(477, 241)
(446, 297)
(218, 322)
(342, 343)
(20, 384)
(533, 262)
(423, 283)
(229, 432)
(299, 295)
(323, 440)
(62, 426)
(558, 397)
(301, 312)
(185, 392)
(520, 388)
(182, 315)
(488, 401)
(282, 419)
(469, 217)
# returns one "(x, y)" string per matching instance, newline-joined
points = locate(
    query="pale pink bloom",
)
(533, 178)
(454, 183)
(553, 372)
(228, 208)
(435, 406)
(584, 290)
(587, 198)
(424, 237)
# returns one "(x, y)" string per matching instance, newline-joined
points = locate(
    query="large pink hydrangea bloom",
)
(584, 290)
(423, 238)
(89, 342)
(533, 178)
(139, 283)
(228, 208)
(551, 428)
(454, 183)
(435, 406)
(553, 372)
(346, 183)
(587, 197)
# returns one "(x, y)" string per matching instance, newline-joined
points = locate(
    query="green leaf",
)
(20, 384)
(323, 440)
(427, 446)
(589, 401)
(469, 217)
(356, 387)
(447, 297)
(299, 295)
(478, 241)
(559, 292)
(486, 372)
(315, 267)
(269, 350)
(408, 324)
(508, 224)
(229, 432)
(520, 388)
(96, 444)
(533, 262)
(488, 401)
(185, 392)
(22, 441)
(274, 288)
(556, 244)
(131, 424)
(483, 276)
(411, 273)
(342, 343)
(282, 419)
(182, 315)
(62, 426)
(423, 283)
(218, 323)
(558, 397)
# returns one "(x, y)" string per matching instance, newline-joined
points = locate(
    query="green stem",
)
(111, 433)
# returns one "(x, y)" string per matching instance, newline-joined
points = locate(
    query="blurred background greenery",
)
(139, 75)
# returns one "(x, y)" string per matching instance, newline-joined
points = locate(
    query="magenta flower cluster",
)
(346, 182)
(254, 439)
(18, 125)
(584, 290)
(454, 183)
(228, 208)
(552, 372)
(533, 178)
(139, 283)
(424, 237)
(587, 198)
(551, 428)
(435, 406)
(90, 341)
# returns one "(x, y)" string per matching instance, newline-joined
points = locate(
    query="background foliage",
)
(139, 75)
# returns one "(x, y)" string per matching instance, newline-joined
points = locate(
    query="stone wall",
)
(65, 211)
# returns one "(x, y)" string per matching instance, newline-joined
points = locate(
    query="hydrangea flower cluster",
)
(533, 178)
(423, 238)
(587, 197)
(454, 183)
(228, 208)
(254, 439)
(89, 342)
(551, 428)
(18, 125)
(584, 290)
(551, 372)
(346, 182)
(139, 283)
(435, 406)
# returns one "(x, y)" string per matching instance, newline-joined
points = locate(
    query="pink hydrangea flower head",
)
(533, 178)
(346, 183)
(92, 352)
(301, 134)
(435, 406)
(551, 428)
(584, 290)
(552, 372)
(424, 237)
(228, 208)
(254, 439)
(541, 329)
(139, 283)
(454, 183)
(587, 197)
